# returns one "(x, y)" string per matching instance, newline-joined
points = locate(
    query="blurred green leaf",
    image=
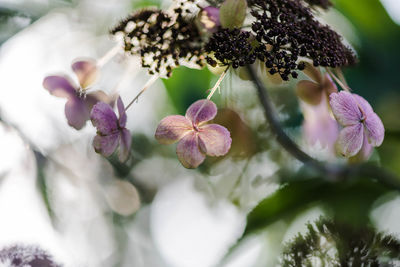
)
(186, 86)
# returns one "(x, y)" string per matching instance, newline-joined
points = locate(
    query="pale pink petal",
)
(363, 104)
(121, 112)
(374, 129)
(59, 86)
(350, 140)
(104, 118)
(86, 70)
(172, 128)
(345, 108)
(106, 144)
(188, 151)
(364, 153)
(214, 140)
(310, 92)
(124, 145)
(201, 111)
(76, 112)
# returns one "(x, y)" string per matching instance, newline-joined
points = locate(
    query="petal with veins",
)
(201, 111)
(188, 151)
(374, 129)
(172, 128)
(104, 118)
(345, 108)
(350, 140)
(214, 140)
(106, 145)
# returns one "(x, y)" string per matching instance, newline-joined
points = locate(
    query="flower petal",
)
(374, 129)
(214, 140)
(310, 92)
(364, 153)
(106, 144)
(201, 111)
(350, 140)
(86, 70)
(95, 97)
(104, 118)
(363, 104)
(121, 112)
(345, 108)
(188, 151)
(124, 145)
(59, 86)
(76, 112)
(172, 128)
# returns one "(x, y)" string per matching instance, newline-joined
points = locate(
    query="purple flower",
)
(26, 256)
(79, 104)
(196, 139)
(360, 122)
(111, 130)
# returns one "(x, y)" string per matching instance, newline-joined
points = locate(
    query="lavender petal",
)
(92, 99)
(172, 128)
(350, 140)
(214, 140)
(188, 151)
(86, 70)
(345, 108)
(59, 86)
(104, 118)
(201, 111)
(374, 129)
(364, 105)
(76, 112)
(106, 144)
(124, 145)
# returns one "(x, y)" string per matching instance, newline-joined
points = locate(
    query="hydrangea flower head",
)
(111, 130)
(79, 103)
(196, 138)
(360, 122)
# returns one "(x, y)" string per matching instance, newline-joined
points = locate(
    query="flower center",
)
(195, 127)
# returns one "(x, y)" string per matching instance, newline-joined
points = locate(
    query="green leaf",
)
(232, 13)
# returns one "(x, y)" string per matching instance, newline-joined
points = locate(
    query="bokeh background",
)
(56, 192)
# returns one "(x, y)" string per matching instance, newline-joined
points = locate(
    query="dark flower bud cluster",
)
(162, 39)
(230, 47)
(26, 256)
(287, 30)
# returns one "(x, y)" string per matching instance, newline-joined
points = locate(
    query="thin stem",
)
(109, 55)
(283, 139)
(345, 87)
(339, 72)
(145, 87)
(216, 86)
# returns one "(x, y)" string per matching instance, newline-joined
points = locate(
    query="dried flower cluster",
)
(26, 256)
(287, 30)
(321, 3)
(162, 39)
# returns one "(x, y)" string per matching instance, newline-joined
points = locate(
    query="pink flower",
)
(79, 104)
(196, 139)
(362, 127)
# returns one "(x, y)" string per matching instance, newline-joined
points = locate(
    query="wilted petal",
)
(201, 111)
(313, 72)
(76, 112)
(374, 129)
(59, 86)
(172, 128)
(350, 140)
(188, 151)
(328, 85)
(309, 92)
(104, 118)
(86, 70)
(364, 105)
(345, 108)
(106, 144)
(121, 112)
(214, 140)
(124, 145)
